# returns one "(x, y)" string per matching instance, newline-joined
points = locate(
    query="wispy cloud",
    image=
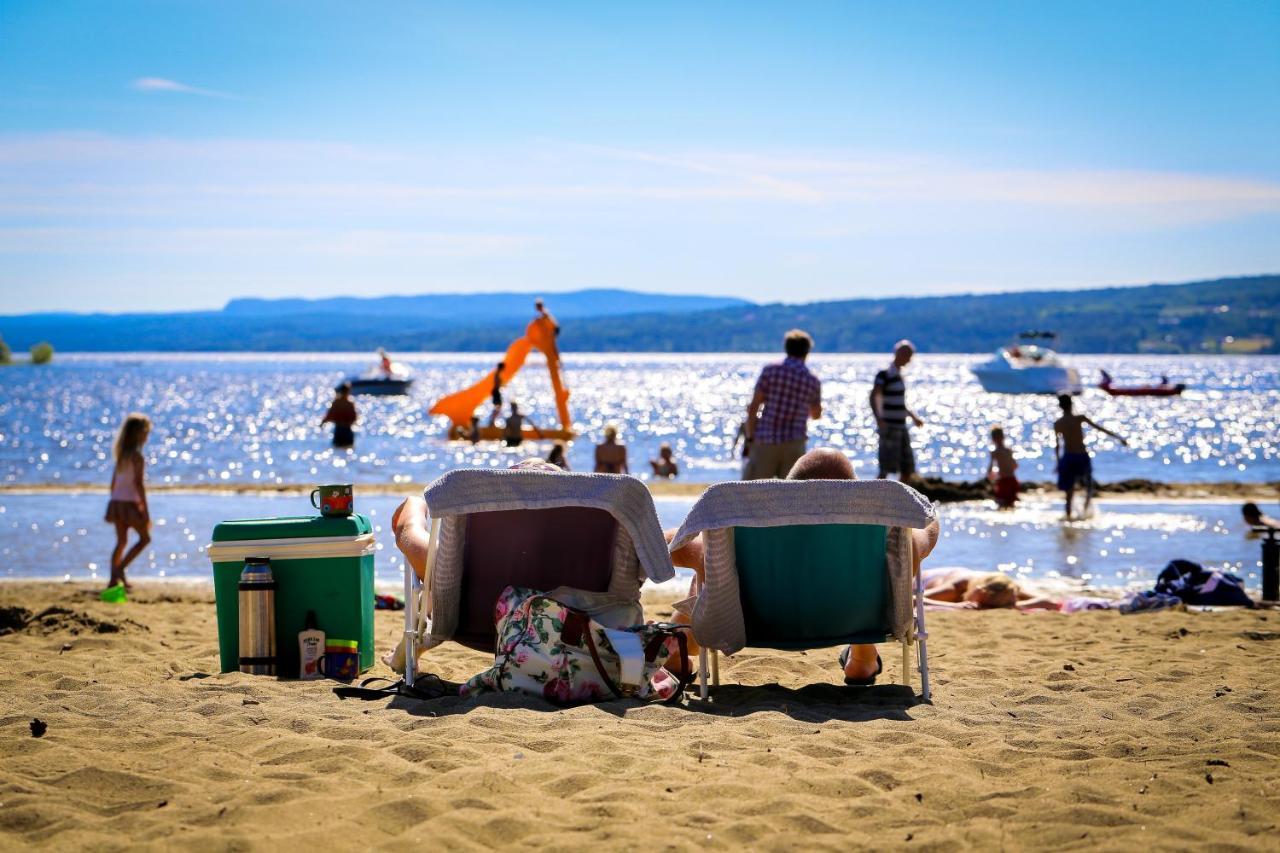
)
(727, 220)
(352, 243)
(160, 84)
(295, 181)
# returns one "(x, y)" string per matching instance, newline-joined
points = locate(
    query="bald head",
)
(822, 463)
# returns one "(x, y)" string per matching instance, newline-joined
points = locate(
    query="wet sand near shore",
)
(1046, 731)
(944, 491)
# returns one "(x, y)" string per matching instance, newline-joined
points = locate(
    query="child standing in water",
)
(342, 414)
(127, 507)
(1075, 468)
(1000, 470)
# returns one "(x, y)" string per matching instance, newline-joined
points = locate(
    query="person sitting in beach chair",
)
(860, 661)
(476, 531)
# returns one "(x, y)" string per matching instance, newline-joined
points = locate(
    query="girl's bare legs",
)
(122, 539)
(144, 539)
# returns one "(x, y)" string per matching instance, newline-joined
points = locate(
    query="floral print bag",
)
(560, 653)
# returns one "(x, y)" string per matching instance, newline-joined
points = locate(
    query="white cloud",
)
(160, 84)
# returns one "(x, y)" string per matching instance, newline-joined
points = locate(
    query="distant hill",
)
(411, 323)
(1224, 315)
(483, 308)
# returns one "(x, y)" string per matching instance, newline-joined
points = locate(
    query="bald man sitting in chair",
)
(861, 662)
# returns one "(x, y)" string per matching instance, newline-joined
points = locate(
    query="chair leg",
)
(922, 639)
(924, 671)
(715, 668)
(410, 624)
(906, 663)
(702, 672)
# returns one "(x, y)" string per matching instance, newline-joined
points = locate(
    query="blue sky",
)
(158, 156)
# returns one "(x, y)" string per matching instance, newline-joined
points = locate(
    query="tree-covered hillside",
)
(1227, 315)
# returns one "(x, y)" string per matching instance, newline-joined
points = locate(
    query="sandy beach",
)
(1046, 731)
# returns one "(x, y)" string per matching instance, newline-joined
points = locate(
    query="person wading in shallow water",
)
(889, 404)
(1075, 468)
(342, 414)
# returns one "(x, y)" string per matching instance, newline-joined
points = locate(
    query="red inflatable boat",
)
(1164, 389)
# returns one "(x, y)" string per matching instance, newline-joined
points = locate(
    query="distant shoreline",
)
(944, 491)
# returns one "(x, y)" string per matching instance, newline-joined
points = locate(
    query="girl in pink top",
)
(128, 505)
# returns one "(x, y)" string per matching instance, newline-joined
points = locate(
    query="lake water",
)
(254, 419)
(1124, 545)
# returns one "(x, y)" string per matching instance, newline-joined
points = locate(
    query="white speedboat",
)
(1028, 367)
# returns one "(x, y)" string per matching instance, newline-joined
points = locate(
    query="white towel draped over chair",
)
(638, 550)
(717, 613)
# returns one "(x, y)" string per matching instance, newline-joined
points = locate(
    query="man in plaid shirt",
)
(790, 395)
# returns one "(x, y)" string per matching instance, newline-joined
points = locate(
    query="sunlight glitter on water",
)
(255, 418)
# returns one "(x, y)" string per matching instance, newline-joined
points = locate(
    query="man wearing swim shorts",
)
(1075, 468)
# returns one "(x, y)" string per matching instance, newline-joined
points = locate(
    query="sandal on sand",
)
(860, 682)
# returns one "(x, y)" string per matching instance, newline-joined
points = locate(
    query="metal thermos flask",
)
(257, 617)
(1270, 567)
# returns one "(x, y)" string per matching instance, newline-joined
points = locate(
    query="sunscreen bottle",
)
(310, 648)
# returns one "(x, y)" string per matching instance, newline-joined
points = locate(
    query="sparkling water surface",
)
(255, 418)
(1125, 544)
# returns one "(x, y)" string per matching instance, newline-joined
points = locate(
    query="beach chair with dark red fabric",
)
(530, 528)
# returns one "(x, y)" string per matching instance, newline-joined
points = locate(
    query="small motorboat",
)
(380, 386)
(1028, 367)
(387, 378)
(1164, 389)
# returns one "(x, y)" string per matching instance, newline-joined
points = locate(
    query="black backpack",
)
(1195, 584)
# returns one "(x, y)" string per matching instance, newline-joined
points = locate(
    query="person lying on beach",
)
(1253, 517)
(861, 662)
(965, 589)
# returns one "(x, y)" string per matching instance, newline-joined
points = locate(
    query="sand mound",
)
(58, 619)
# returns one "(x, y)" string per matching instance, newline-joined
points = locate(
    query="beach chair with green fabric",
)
(807, 564)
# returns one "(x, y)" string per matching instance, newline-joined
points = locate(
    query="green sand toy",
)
(114, 594)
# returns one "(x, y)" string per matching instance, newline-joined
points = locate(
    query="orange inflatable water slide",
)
(461, 406)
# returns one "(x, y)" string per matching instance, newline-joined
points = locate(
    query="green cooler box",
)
(320, 564)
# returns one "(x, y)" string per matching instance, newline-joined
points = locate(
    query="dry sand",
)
(1047, 731)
